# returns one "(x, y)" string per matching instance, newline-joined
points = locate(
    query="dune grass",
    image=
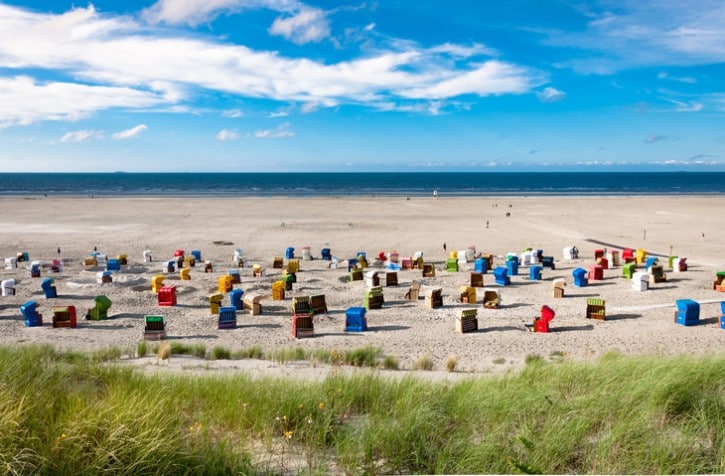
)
(65, 413)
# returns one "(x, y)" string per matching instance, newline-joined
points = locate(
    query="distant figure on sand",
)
(435, 193)
(444, 246)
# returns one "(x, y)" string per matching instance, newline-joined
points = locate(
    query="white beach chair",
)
(640, 281)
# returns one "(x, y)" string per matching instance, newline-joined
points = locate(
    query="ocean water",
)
(342, 184)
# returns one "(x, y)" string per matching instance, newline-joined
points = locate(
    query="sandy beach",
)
(637, 322)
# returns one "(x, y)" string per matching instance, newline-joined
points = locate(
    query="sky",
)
(387, 85)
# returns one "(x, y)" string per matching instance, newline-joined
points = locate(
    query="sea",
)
(451, 184)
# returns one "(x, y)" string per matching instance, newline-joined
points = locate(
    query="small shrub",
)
(363, 357)
(424, 362)
(219, 353)
(499, 360)
(163, 351)
(104, 355)
(391, 363)
(142, 349)
(199, 350)
(557, 355)
(254, 352)
(532, 359)
(289, 354)
(451, 363)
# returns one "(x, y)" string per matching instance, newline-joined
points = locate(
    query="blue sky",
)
(390, 85)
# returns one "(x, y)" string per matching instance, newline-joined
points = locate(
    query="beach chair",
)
(154, 328)
(326, 254)
(356, 274)
(11, 263)
(253, 303)
(629, 269)
(640, 256)
(467, 321)
(657, 274)
(434, 298)
(722, 315)
(596, 272)
(113, 264)
(90, 261)
(179, 253)
(64, 316)
(236, 277)
(170, 266)
(688, 312)
(548, 262)
(596, 309)
(352, 264)
(476, 279)
(391, 278)
(650, 261)
(406, 263)
(227, 318)
(558, 286)
(528, 258)
(303, 325)
(535, 272)
(301, 305)
(147, 258)
(293, 265)
(541, 324)
(491, 298)
(501, 276)
(580, 277)
(289, 279)
(512, 266)
(289, 253)
(306, 253)
(122, 260)
(570, 252)
(167, 296)
(372, 279)
(355, 320)
(48, 288)
(413, 293)
(32, 317)
(613, 258)
(208, 267)
(452, 265)
(34, 269)
(393, 256)
(104, 277)
(467, 294)
(488, 259)
(480, 266)
(318, 304)
(238, 258)
(23, 256)
(235, 299)
(640, 281)
(257, 271)
(278, 290)
(680, 265)
(225, 283)
(195, 256)
(628, 256)
(603, 262)
(7, 287)
(719, 283)
(599, 253)
(100, 310)
(185, 274)
(373, 298)
(157, 282)
(215, 303)
(429, 270)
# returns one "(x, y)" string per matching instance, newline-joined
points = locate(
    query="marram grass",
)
(63, 413)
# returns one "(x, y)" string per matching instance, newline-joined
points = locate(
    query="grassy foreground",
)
(66, 413)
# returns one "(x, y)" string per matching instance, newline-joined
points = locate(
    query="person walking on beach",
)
(444, 247)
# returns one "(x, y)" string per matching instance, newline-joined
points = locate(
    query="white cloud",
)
(282, 131)
(651, 139)
(550, 95)
(117, 63)
(81, 136)
(309, 25)
(195, 12)
(226, 134)
(233, 113)
(130, 133)
(23, 101)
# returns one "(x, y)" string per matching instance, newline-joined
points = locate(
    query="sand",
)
(637, 322)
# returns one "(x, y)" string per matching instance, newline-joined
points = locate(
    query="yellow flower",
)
(321, 405)
(288, 434)
(63, 435)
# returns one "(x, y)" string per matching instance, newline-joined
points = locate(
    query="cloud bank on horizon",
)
(264, 85)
